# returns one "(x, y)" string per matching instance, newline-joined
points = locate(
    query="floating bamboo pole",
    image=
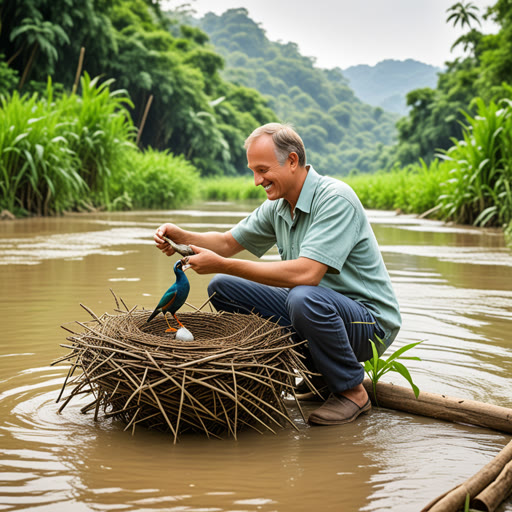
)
(486, 489)
(443, 407)
(493, 483)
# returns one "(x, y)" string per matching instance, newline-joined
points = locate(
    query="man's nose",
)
(258, 179)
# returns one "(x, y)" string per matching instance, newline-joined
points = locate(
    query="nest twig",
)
(233, 375)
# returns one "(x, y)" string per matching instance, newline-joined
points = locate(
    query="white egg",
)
(184, 334)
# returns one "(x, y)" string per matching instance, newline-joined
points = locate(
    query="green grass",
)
(414, 189)
(230, 189)
(60, 153)
(155, 179)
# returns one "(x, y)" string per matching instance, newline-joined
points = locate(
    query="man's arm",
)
(221, 243)
(287, 274)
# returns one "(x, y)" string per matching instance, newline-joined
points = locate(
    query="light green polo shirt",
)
(329, 226)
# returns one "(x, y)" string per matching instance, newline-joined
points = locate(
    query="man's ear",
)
(294, 160)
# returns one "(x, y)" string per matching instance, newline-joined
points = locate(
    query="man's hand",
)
(170, 231)
(204, 261)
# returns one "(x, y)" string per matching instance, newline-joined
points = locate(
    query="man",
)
(331, 284)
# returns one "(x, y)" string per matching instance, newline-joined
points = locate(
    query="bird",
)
(174, 297)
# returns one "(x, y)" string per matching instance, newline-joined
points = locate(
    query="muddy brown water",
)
(455, 289)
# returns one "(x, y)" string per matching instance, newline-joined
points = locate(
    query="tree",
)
(462, 14)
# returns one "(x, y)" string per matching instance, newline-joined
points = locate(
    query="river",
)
(454, 285)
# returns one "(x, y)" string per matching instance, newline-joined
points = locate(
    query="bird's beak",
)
(185, 265)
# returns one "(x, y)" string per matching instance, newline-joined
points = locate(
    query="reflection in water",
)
(450, 295)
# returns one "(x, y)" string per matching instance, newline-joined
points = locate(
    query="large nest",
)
(234, 374)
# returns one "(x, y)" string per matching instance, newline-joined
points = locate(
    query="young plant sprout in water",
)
(376, 367)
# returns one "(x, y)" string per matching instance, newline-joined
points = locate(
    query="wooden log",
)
(456, 410)
(491, 497)
(477, 485)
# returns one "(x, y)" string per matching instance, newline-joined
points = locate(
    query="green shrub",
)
(154, 179)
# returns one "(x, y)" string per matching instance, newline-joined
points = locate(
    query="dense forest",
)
(338, 129)
(193, 112)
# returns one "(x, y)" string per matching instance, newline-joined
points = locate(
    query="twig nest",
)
(233, 374)
(183, 334)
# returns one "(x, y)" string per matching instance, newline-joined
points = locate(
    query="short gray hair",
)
(286, 140)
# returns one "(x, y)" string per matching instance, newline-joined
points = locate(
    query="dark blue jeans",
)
(338, 329)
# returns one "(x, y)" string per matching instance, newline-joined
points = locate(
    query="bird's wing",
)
(170, 300)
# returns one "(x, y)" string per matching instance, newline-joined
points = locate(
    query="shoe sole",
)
(366, 407)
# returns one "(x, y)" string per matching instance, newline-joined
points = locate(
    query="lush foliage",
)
(337, 128)
(156, 180)
(436, 113)
(480, 165)
(38, 170)
(77, 151)
(412, 189)
(193, 112)
(470, 183)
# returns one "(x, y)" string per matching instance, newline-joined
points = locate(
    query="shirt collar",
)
(308, 191)
(306, 195)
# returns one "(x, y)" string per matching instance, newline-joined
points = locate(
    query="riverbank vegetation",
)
(120, 105)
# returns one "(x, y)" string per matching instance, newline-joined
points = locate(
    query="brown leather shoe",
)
(337, 410)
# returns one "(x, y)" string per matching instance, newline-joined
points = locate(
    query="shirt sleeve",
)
(256, 232)
(333, 232)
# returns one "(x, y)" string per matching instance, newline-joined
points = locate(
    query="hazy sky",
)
(344, 33)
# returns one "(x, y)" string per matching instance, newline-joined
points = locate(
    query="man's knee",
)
(223, 285)
(299, 301)
(215, 285)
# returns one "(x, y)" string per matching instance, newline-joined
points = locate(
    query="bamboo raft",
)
(233, 375)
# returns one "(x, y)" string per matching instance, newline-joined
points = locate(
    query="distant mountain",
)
(341, 132)
(387, 83)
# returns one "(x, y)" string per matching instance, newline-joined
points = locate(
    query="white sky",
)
(343, 33)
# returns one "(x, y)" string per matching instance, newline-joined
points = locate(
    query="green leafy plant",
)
(376, 367)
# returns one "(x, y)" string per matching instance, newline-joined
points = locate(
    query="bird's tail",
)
(155, 312)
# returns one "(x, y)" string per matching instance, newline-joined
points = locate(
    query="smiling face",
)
(279, 181)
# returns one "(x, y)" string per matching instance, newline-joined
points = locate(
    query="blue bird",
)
(174, 297)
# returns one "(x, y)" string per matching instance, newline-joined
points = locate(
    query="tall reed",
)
(99, 129)
(57, 153)
(479, 188)
(38, 171)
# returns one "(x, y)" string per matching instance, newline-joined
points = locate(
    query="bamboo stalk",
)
(454, 500)
(78, 69)
(442, 407)
(143, 122)
(491, 497)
